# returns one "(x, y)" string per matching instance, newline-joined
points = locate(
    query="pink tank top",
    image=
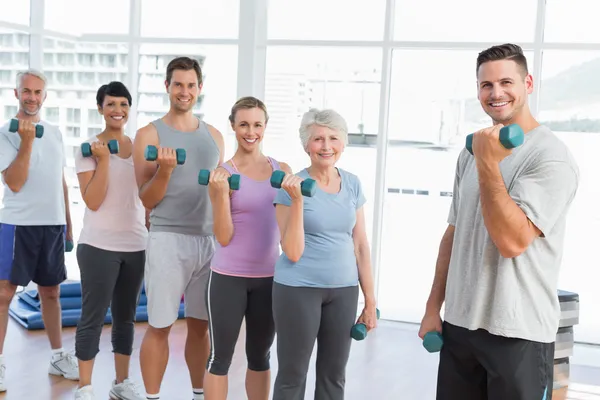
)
(254, 246)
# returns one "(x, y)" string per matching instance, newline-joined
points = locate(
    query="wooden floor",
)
(389, 365)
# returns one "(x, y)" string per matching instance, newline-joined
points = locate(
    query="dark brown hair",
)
(507, 51)
(185, 64)
(247, 103)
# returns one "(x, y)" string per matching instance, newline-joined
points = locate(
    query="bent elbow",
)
(14, 188)
(294, 255)
(223, 240)
(512, 250)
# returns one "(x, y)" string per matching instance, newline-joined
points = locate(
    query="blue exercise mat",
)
(25, 307)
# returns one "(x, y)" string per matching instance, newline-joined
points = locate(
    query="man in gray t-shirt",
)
(500, 257)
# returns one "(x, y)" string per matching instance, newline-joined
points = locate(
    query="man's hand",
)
(487, 147)
(431, 323)
(26, 131)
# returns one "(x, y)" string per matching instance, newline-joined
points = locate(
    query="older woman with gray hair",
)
(325, 258)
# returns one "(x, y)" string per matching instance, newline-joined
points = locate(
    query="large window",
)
(572, 21)
(18, 14)
(14, 57)
(326, 20)
(77, 17)
(465, 20)
(219, 70)
(432, 109)
(347, 80)
(190, 18)
(569, 104)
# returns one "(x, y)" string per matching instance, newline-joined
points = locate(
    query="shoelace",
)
(71, 360)
(2, 371)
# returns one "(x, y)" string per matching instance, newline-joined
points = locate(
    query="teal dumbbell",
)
(69, 246)
(204, 177)
(359, 331)
(14, 126)
(308, 187)
(433, 342)
(151, 154)
(113, 148)
(511, 136)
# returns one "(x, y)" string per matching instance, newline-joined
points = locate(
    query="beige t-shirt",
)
(119, 223)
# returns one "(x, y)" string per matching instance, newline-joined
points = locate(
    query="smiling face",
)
(115, 111)
(249, 127)
(503, 88)
(325, 146)
(31, 94)
(183, 89)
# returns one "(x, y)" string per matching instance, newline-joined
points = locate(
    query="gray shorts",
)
(177, 265)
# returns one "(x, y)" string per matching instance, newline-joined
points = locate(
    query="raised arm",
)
(152, 176)
(16, 173)
(93, 175)
(218, 190)
(290, 217)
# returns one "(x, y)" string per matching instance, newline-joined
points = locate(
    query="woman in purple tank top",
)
(247, 248)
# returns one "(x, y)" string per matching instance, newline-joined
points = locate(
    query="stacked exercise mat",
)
(26, 310)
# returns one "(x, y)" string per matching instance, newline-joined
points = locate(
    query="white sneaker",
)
(64, 364)
(126, 390)
(85, 393)
(2, 376)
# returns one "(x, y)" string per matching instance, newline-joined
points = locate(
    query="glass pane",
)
(190, 18)
(19, 12)
(442, 20)
(78, 17)
(347, 80)
(326, 20)
(75, 70)
(219, 91)
(431, 114)
(569, 104)
(572, 21)
(14, 57)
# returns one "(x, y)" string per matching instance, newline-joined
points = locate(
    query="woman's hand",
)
(291, 184)
(218, 184)
(368, 317)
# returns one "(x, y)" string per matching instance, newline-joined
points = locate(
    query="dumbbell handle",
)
(510, 136)
(204, 177)
(14, 127)
(86, 148)
(359, 331)
(151, 154)
(308, 187)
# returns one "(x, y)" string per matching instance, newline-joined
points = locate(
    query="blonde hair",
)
(245, 103)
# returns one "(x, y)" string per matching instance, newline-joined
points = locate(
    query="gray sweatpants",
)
(301, 315)
(108, 278)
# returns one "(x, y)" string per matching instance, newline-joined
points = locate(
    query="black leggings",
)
(303, 315)
(112, 279)
(229, 300)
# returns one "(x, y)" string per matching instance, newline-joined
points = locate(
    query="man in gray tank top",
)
(180, 243)
(499, 260)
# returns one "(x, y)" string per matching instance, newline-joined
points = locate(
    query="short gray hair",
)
(31, 72)
(328, 118)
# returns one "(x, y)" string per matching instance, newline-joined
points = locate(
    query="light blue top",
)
(328, 260)
(41, 200)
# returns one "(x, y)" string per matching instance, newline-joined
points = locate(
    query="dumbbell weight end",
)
(433, 341)
(359, 331)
